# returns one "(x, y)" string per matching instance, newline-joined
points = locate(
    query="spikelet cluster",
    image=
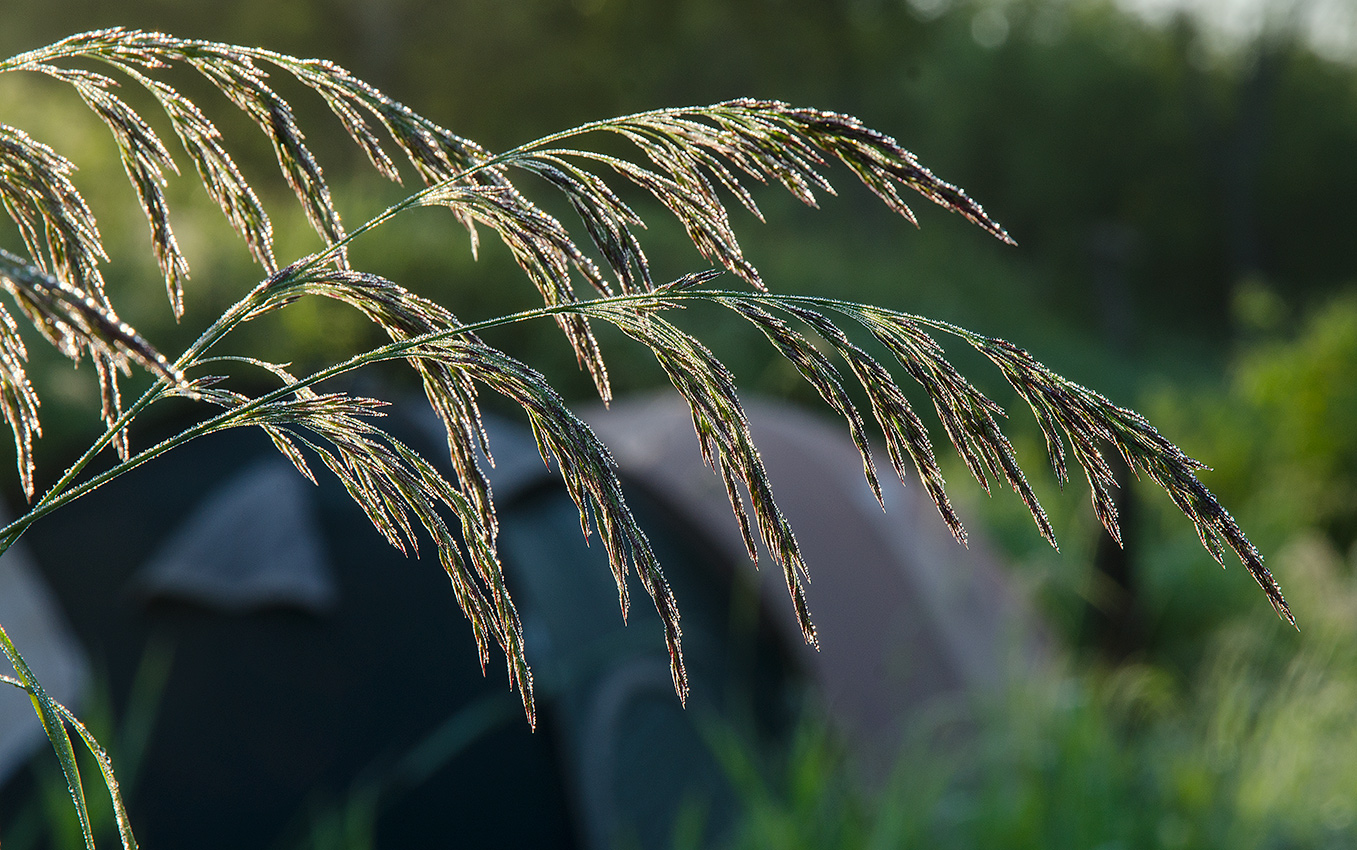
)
(694, 161)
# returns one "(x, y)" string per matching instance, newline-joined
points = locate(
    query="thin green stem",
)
(53, 717)
(10, 533)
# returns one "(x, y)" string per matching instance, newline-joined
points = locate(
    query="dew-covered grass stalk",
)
(692, 161)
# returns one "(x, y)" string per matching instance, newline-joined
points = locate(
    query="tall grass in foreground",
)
(690, 160)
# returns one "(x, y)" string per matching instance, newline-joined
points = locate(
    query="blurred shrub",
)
(1280, 437)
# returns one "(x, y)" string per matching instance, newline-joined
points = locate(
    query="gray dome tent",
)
(904, 613)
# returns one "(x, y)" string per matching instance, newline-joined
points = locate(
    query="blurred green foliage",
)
(1278, 433)
(1246, 754)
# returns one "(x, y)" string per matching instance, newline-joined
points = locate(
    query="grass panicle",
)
(693, 161)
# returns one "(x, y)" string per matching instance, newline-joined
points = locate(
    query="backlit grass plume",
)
(693, 161)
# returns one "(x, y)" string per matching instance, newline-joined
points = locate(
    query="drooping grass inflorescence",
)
(691, 160)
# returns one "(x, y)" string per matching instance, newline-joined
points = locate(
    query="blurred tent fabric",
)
(316, 671)
(905, 615)
(34, 620)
